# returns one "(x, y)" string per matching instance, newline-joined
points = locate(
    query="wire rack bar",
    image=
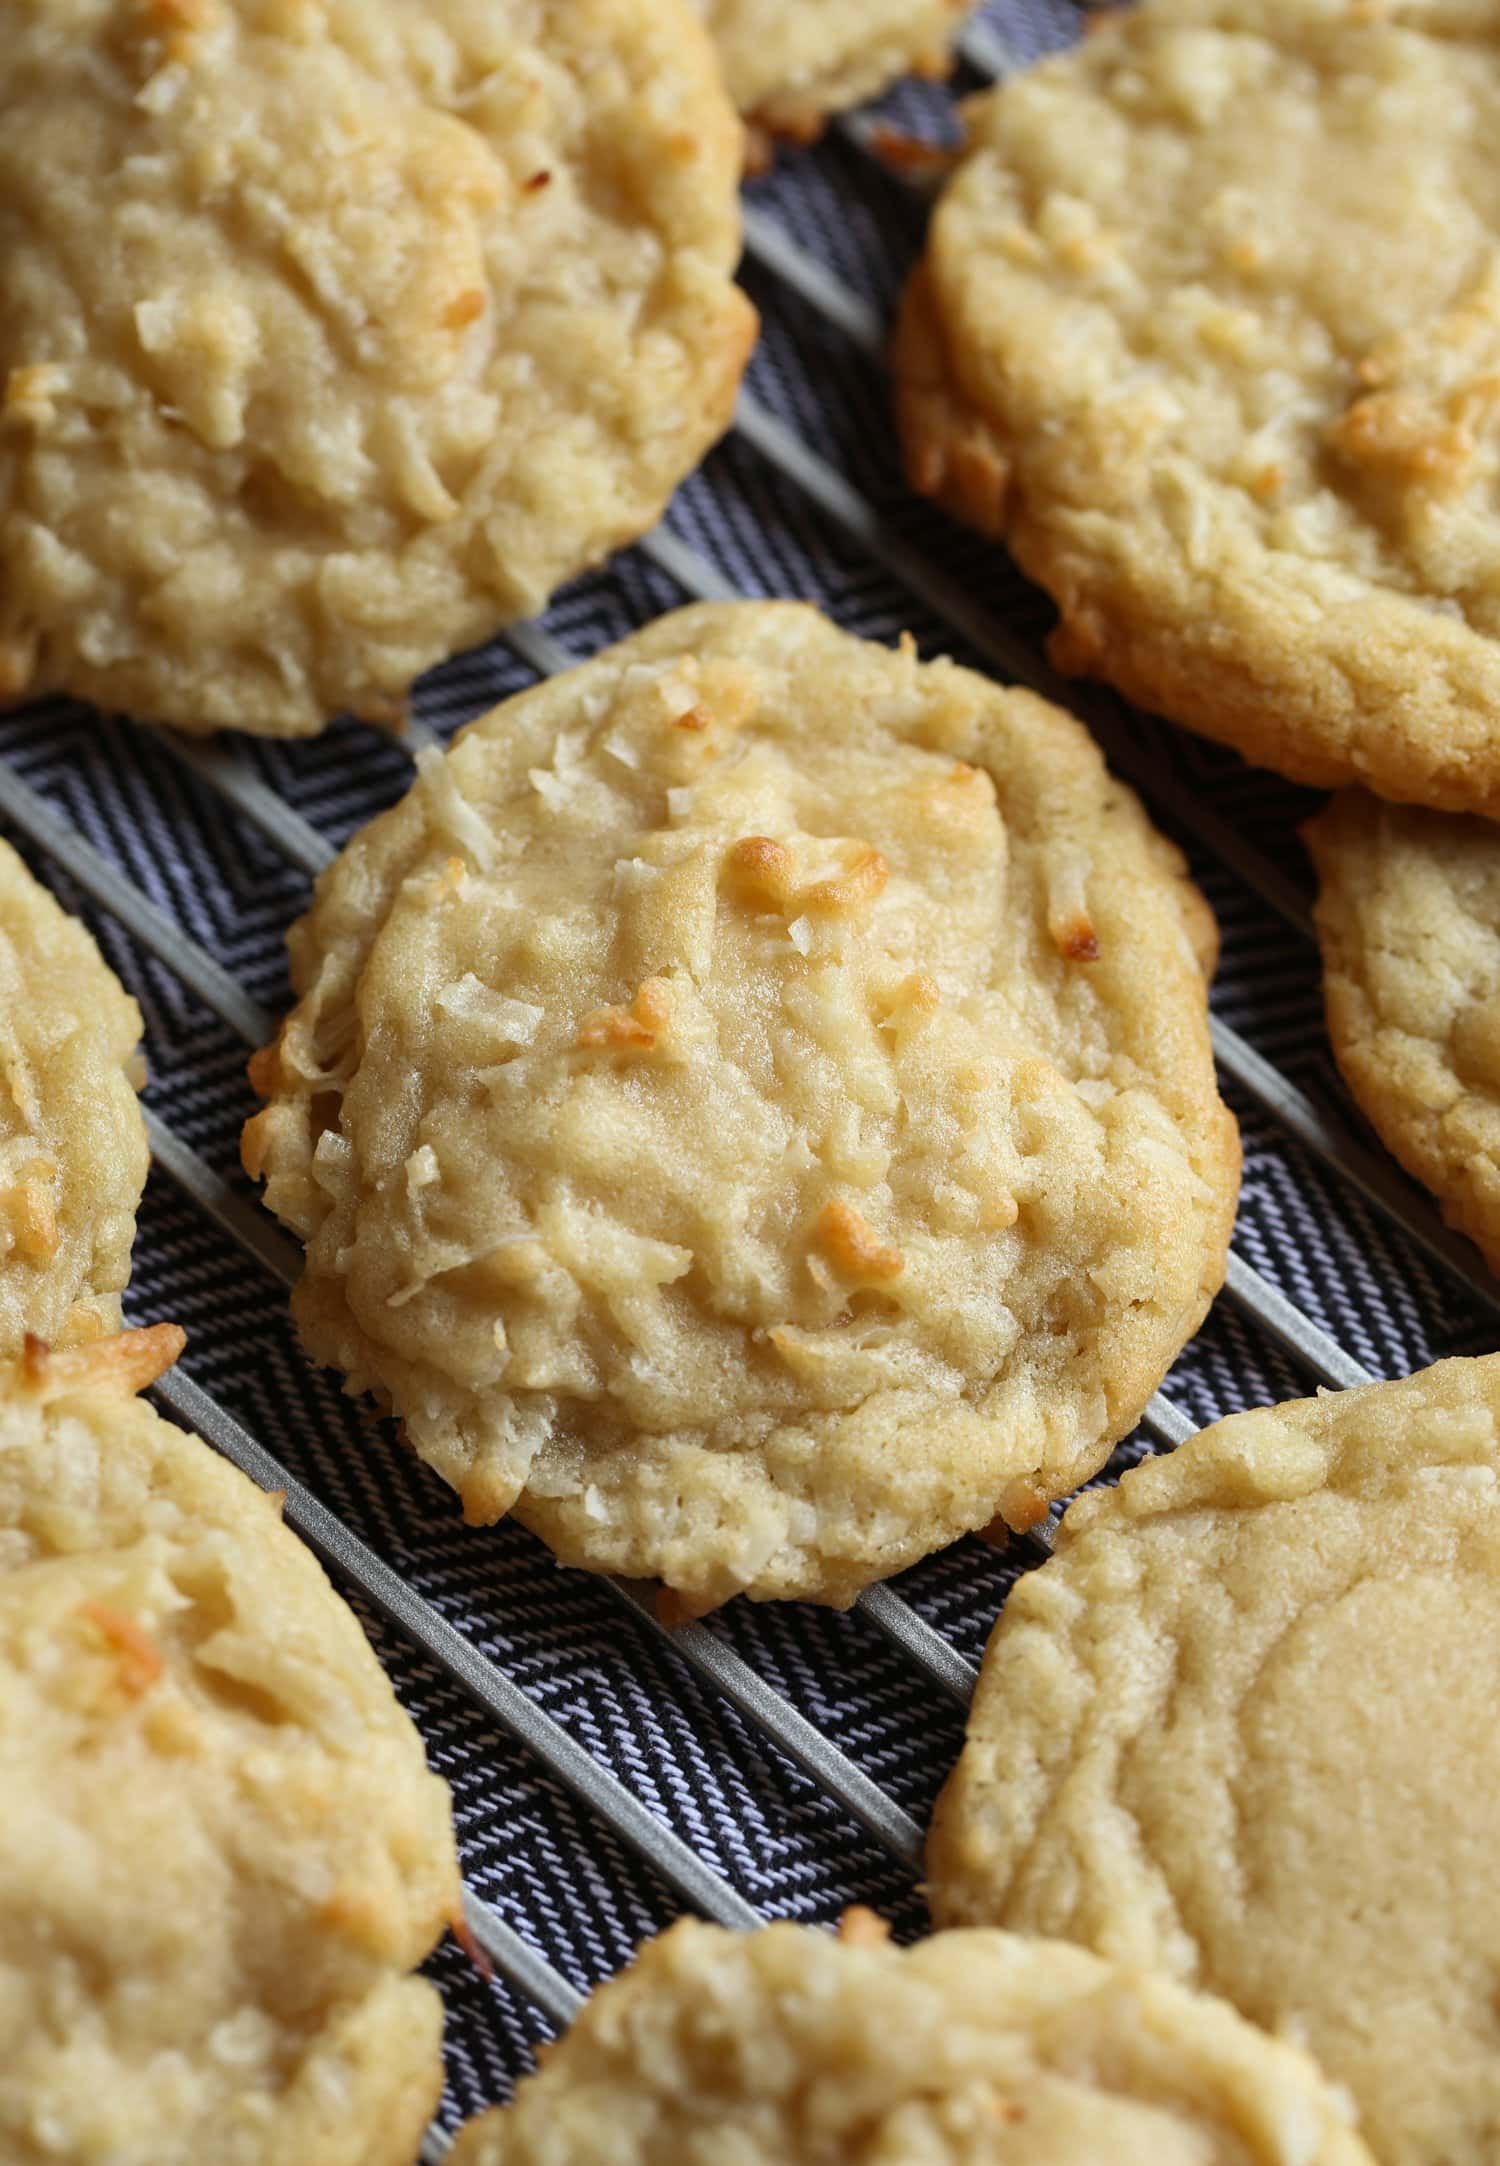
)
(785, 259)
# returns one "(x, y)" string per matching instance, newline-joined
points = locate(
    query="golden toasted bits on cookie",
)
(636, 1029)
(28, 1209)
(862, 1928)
(264, 1068)
(853, 1247)
(861, 882)
(729, 1189)
(202, 1736)
(465, 308)
(1025, 1506)
(917, 994)
(1396, 430)
(141, 1663)
(762, 872)
(789, 2044)
(124, 1363)
(179, 24)
(1178, 1672)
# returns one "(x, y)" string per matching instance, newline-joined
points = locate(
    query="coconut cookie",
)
(1242, 1728)
(790, 63)
(1408, 919)
(1208, 331)
(335, 333)
(793, 2048)
(73, 1151)
(223, 1851)
(750, 1109)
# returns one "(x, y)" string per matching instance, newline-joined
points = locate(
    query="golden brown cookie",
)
(750, 1108)
(1241, 1728)
(335, 333)
(790, 63)
(1408, 920)
(223, 1852)
(1208, 330)
(787, 2047)
(73, 1151)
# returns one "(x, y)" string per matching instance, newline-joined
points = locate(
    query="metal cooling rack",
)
(1333, 1244)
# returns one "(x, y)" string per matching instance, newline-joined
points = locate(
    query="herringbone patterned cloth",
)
(545, 1863)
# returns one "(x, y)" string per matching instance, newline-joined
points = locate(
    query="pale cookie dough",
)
(790, 63)
(335, 333)
(790, 2048)
(750, 1108)
(1408, 920)
(223, 1852)
(73, 1151)
(1242, 1728)
(1208, 331)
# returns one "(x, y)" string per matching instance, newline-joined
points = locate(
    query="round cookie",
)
(1241, 1728)
(1408, 919)
(336, 333)
(223, 1851)
(73, 1150)
(790, 63)
(750, 1108)
(790, 2048)
(1208, 330)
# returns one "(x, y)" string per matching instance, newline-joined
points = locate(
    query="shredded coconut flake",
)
(633, 876)
(471, 1001)
(553, 790)
(451, 811)
(800, 934)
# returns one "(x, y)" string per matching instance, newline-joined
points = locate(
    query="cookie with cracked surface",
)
(750, 1110)
(223, 1851)
(73, 1150)
(972, 2049)
(1408, 920)
(1208, 331)
(1241, 1728)
(790, 63)
(336, 333)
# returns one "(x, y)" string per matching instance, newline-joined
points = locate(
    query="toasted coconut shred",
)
(792, 1143)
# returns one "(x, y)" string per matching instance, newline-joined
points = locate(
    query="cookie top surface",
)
(73, 1151)
(337, 332)
(1209, 328)
(1408, 920)
(973, 2049)
(1242, 1728)
(789, 63)
(750, 1108)
(223, 1851)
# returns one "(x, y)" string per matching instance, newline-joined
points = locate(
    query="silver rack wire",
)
(502, 1701)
